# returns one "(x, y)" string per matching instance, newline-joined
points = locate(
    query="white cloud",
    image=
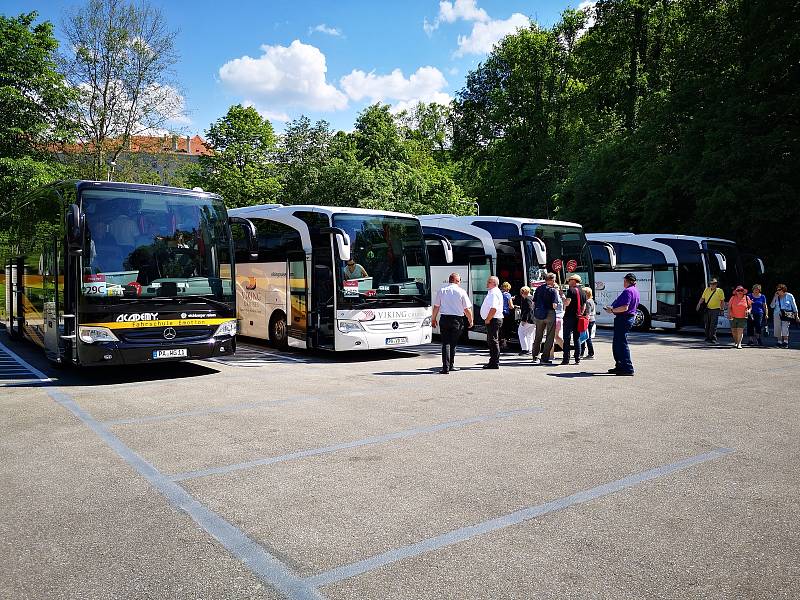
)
(466, 10)
(284, 77)
(450, 12)
(485, 35)
(323, 28)
(425, 85)
(591, 12)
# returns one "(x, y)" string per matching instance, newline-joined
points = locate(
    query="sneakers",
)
(614, 371)
(443, 371)
(623, 373)
(491, 366)
(536, 360)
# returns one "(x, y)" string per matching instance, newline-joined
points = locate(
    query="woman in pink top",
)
(738, 309)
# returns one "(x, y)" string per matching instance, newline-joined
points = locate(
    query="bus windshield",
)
(565, 243)
(151, 244)
(387, 259)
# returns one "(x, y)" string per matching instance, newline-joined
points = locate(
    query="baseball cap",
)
(631, 277)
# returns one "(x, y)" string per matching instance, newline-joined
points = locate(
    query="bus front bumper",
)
(369, 340)
(121, 353)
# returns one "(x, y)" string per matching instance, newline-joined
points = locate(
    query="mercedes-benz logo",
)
(395, 325)
(169, 333)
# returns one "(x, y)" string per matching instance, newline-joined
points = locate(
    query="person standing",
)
(558, 339)
(758, 316)
(527, 322)
(712, 299)
(545, 301)
(574, 306)
(508, 316)
(784, 311)
(492, 315)
(452, 304)
(591, 307)
(738, 311)
(624, 311)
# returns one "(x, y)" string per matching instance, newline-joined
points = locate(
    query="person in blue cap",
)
(624, 311)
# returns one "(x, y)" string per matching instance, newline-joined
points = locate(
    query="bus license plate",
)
(396, 341)
(172, 353)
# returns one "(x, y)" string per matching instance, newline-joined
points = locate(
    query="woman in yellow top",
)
(713, 298)
(738, 309)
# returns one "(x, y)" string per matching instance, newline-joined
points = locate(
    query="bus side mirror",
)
(721, 261)
(609, 249)
(342, 241)
(761, 268)
(446, 245)
(75, 227)
(541, 251)
(250, 232)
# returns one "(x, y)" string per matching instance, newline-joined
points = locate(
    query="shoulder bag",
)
(786, 315)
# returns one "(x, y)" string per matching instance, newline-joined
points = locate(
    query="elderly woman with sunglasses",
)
(784, 311)
(738, 311)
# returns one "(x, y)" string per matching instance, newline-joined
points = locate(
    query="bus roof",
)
(327, 210)
(653, 236)
(82, 184)
(497, 219)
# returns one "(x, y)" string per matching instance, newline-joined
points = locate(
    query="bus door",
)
(322, 317)
(480, 268)
(297, 299)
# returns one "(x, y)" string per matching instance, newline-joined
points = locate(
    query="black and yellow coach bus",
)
(117, 273)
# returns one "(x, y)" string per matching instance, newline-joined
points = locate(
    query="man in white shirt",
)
(492, 315)
(453, 304)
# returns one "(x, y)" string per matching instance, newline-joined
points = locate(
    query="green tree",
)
(243, 165)
(304, 152)
(34, 116)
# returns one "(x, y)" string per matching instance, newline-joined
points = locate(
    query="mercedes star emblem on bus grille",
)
(169, 333)
(395, 325)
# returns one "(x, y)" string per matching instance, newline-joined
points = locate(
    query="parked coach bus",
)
(516, 250)
(671, 270)
(102, 273)
(332, 278)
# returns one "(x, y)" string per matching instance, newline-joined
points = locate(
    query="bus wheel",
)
(641, 320)
(278, 333)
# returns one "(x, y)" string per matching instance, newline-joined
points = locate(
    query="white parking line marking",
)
(253, 556)
(526, 514)
(370, 441)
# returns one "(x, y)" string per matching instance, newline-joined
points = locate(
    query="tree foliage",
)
(242, 168)
(664, 115)
(34, 100)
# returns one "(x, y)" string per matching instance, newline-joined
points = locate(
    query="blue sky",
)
(325, 59)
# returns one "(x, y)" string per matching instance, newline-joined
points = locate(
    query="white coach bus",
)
(331, 278)
(516, 250)
(671, 270)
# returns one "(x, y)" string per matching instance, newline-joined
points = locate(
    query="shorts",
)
(738, 323)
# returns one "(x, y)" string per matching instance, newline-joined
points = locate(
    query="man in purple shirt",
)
(624, 310)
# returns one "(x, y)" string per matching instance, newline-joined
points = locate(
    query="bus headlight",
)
(426, 322)
(346, 326)
(226, 328)
(90, 335)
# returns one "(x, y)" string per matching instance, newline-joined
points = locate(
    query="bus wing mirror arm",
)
(541, 251)
(76, 227)
(342, 241)
(722, 262)
(251, 233)
(446, 245)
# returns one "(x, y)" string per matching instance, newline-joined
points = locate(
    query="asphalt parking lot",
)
(296, 475)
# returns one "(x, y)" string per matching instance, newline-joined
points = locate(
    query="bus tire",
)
(278, 330)
(641, 320)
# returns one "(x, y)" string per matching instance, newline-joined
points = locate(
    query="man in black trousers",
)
(452, 304)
